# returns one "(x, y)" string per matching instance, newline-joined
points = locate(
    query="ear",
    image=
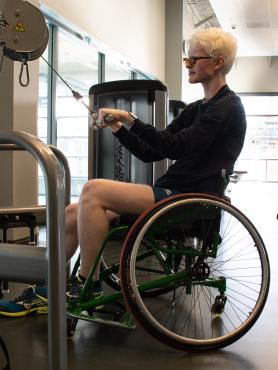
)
(219, 62)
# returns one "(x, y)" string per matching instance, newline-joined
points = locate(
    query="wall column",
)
(173, 48)
(18, 112)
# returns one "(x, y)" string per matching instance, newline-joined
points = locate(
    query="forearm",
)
(135, 146)
(116, 127)
(119, 117)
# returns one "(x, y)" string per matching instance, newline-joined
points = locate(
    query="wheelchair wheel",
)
(210, 260)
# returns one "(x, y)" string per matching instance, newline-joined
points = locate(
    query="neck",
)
(212, 87)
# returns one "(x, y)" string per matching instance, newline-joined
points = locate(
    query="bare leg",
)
(98, 201)
(71, 237)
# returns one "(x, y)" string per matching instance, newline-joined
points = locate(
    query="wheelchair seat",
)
(129, 219)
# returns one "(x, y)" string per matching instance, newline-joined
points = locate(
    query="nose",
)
(187, 64)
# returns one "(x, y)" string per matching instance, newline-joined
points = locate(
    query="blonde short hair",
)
(215, 42)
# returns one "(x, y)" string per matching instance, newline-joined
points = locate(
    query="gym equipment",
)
(175, 108)
(32, 216)
(23, 33)
(49, 263)
(108, 159)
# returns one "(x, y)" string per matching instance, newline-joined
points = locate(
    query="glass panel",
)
(272, 170)
(140, 76)
(114, 71)
(42, 118)
(78, 66)
(259, 156)
(260, 104)
(43, 98)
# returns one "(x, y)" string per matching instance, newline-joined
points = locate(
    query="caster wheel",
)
(218, 306)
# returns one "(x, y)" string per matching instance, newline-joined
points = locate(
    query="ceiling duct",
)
(202, 14)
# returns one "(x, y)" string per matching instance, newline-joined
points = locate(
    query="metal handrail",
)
(55, 256)
(61, 158)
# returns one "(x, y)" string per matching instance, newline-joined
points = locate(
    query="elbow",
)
(173, 157)
(178, 154)
(146, 160)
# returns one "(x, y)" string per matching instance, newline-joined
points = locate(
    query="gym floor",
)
(102, 347)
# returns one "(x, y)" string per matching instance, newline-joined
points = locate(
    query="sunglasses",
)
(192, 60)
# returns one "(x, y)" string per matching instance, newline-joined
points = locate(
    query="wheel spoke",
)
(225, 286)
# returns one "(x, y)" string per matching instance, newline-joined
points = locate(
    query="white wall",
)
(254, 74)
(18, 111)
(173, 45)
(248, 75)
(134, 28)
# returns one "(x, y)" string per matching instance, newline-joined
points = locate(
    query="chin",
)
(193, 81)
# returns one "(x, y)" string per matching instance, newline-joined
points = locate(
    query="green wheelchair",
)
(192, 270)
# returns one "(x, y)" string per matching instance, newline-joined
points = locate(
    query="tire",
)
(210, 242)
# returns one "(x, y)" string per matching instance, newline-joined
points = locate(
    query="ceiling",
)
(253, 22)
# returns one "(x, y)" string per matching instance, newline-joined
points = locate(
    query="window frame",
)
(55, 24)
(260, 159)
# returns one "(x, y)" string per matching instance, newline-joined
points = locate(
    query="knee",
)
(92, 190)
(71, 215)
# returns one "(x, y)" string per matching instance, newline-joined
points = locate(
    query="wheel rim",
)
(187, 318)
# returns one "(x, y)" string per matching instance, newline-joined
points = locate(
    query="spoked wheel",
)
(210, 260)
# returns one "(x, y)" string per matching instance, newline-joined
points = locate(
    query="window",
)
(63, 121)
(259, 156)
(42, 126)
(43, 99)
(115, 71)
(78, 66)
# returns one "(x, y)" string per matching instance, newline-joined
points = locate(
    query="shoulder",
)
(228, 101)
(191, 108)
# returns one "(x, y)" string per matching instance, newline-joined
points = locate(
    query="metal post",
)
(55, 255)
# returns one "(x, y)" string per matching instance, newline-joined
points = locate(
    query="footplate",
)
(107, 317)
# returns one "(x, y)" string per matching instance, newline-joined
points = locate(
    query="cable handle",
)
(108, 118)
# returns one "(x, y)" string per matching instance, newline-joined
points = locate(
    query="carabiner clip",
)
(24, 63)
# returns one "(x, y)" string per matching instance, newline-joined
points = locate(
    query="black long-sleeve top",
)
(204, 139)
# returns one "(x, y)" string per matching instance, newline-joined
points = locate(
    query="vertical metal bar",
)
(133, 75)
(56, 261)
(65, 165)
(160, 117)
(52, 85)
(101, 67)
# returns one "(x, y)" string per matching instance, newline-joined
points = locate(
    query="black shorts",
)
(161, 193)
(214, 185)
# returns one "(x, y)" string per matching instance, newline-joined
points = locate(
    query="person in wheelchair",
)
(204, 143)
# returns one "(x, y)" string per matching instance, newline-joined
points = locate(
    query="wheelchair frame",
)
(176, 259)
